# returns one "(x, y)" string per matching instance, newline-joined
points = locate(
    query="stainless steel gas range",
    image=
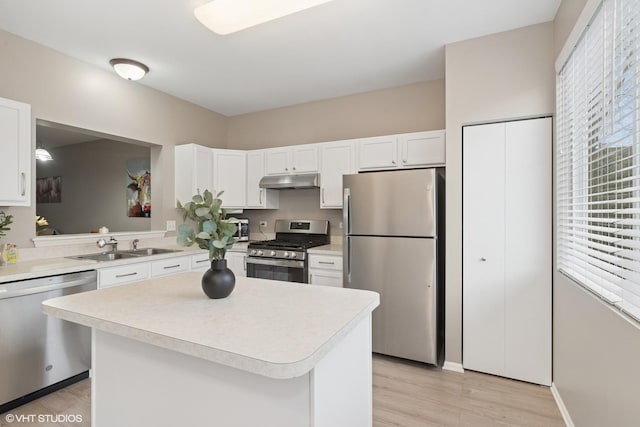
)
(285, 258)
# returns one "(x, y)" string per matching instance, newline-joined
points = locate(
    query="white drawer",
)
(325, 278)
(327, 262)
(200, 262)
(169, 266)
(113, 276)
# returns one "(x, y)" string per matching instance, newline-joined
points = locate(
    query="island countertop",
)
(270, 328)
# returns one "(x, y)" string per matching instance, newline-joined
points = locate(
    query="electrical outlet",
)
(171, 225)
(263, 223)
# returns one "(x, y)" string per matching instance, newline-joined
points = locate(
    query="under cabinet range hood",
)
(282, 182)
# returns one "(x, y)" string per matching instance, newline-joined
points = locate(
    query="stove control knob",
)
(253, 252)
(273, 253)
(286, 254)
(293, 254)
(260, 253)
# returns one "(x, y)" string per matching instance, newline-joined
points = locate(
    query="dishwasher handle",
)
(46, 284)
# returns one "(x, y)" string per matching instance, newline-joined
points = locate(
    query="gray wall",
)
(64, 90)
(501, 76)
(93, 187)
(595, 348)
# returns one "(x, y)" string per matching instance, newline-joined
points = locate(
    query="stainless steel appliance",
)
(39, 353)
(242, 234)
(285, 258)
(394, 245)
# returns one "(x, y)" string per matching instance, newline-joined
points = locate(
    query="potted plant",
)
(209, 229)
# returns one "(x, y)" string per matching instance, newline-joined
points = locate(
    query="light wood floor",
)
(405, 394)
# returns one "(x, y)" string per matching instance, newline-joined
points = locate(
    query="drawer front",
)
(169, 266)
(124, 274)
(327, 262)
(200, 262)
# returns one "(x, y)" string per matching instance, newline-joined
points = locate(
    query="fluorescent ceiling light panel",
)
(228, 16)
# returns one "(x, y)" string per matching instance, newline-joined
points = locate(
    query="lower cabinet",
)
(237, 262)
(325, 270)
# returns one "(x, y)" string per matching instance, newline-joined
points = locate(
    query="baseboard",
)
(563, 409)
(453, 366)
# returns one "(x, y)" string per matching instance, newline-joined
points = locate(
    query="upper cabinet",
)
(336, 159)
(292, 160)
(259, 198)
(419, 149)
(15, 153)
(230, 176)
(193, 166)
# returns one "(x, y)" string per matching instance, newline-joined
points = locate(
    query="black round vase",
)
(218, 281)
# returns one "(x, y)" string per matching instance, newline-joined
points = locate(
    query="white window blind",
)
(598, 158)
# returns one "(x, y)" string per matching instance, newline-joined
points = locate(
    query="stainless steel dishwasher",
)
(39, 353)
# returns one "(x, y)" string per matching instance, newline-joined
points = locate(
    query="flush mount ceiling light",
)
(228, 16)
(43, 154)
(129, 69)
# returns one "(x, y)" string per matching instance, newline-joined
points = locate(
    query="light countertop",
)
(331, 249)
(24, 270)
(271, 328)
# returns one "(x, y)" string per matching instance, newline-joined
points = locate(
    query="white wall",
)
(64, 90)
(501, 76)
(93, 187)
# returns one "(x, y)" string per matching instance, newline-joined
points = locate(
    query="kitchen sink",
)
(149, 251)
(106, 256)
(112, 256)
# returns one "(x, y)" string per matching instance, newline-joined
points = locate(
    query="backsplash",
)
(294, 204)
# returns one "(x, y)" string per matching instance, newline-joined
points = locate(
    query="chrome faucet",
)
(135, 243)
(112, 242)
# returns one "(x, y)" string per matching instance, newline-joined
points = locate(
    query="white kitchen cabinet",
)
(15, 153)
(325, 270)
(421, 149)
(507, 270)
(193, 171)
(380, 152)
(164, 267)
(259, 198)
(409, 150)
(122, 274)
(237, 262)
(230, 176)
(297, 159)
(336, 159)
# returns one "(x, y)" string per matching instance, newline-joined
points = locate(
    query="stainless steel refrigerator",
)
(394, 245)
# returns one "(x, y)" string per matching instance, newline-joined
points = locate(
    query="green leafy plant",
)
(212, 230)
(5, 220)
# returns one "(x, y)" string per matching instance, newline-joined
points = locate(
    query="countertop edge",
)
(244, 363)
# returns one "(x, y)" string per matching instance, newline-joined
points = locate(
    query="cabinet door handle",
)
(261, 196)
(23, 183)
(310, 278)
(393, 162)
(202, 260)
(405, 151)
(326, 262)
(294, 168)
(322, 194)
(286, 169)
(166, 267)
(483, 259)
(244, 261)
(118, 276)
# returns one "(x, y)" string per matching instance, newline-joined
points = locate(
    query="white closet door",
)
(483, 248)
(528, 249)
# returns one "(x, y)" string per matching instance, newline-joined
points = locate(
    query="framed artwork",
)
(49, 189)
(138, 188)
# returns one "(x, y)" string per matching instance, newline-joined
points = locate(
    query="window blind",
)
(598, 157)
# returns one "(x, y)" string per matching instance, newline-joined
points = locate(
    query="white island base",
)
(137, 384)
(271, 354)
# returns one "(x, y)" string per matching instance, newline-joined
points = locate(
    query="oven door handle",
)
(275, 262)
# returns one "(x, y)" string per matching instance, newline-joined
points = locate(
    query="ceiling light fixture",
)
(228, 16)
(43, 154)
(129, 69)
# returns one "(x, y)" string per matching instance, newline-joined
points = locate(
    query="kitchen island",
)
(272, 353)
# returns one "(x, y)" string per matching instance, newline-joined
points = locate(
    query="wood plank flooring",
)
(405, 394)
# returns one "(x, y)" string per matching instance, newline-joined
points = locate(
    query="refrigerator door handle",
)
(346, 218)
